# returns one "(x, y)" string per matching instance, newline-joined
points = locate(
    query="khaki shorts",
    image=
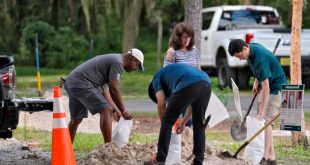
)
(273, 106)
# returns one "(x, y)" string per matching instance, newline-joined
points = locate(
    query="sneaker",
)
(271, 162)
(153, 161)
(263, 161)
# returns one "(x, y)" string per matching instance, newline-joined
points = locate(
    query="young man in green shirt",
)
(267, 71)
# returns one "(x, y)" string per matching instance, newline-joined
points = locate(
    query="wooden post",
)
(295, 63)
(159, 38)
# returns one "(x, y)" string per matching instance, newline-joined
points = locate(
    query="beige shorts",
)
(273, 106)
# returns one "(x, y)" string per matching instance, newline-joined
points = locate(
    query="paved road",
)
(148, 106)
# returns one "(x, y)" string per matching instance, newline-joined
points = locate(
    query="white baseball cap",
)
(138, 55)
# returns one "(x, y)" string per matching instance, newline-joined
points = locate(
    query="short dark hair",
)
(236, 46)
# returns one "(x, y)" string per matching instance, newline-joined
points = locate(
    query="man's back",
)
(100, 69)
(265, 65)
(174, 77)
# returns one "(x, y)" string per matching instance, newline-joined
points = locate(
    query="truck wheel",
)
(243, 77)
(224, 73)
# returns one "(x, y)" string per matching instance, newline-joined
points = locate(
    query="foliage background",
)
(65, 28)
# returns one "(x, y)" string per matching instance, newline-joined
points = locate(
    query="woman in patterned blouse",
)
(182, 50)
(181, 46)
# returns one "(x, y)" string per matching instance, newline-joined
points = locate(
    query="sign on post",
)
(292, 107)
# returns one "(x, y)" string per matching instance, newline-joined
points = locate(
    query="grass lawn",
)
(133, 85)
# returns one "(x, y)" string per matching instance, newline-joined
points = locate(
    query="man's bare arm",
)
(265, 97)
(161, 103)
(106, 94)
(116, 96)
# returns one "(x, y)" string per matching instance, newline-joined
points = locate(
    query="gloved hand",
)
(180, 128)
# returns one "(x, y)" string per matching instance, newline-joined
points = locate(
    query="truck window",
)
(247, 17)
(206, 20)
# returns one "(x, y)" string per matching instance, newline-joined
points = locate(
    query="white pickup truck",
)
(260, 24)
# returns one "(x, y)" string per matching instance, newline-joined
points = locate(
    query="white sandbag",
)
(217, 110)
(255, 150)
(120, 135)
(174, 152)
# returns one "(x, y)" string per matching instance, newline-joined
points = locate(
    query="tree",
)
(85, 5)
(72, 17)
(193, 17)
(54, 13)
(295, 65)
(131, 17)
(153, 10)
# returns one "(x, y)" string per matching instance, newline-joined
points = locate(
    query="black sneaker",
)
(263, 161)
(153, 161)
(271, 162)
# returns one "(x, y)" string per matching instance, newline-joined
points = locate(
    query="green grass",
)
(44, 138)
(284, 152)
(132, 85)
(32, 71)
(142, 138)
(83, 142)
(86, 142)
(145, 114)
(223, 139)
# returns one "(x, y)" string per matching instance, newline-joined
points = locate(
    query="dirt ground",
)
(11, 149)
(133, 154)
(11, 153)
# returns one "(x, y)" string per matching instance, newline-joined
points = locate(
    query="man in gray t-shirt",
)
(84, 86)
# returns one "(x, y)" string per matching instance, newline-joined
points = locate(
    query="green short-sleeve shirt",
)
(265, 65)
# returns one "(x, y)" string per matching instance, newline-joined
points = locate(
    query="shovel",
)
(237, 130)
(229, 155)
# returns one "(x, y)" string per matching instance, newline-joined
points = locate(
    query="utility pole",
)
(295, 64)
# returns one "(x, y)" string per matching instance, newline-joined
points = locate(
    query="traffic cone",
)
(62, 151)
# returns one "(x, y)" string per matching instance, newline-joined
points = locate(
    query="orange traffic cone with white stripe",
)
(62, 151)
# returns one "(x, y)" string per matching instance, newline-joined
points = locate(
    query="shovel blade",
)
(237, 132)
(227, 154)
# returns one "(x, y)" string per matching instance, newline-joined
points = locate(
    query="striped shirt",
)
(183, 57)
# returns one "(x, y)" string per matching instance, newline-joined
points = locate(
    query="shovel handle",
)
(254, 136)
(248, 111)
(250, 107)
(276, 46)
(206, 122)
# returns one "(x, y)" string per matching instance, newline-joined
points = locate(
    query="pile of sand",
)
(111, 154)
(212, 153)
(133, 154)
